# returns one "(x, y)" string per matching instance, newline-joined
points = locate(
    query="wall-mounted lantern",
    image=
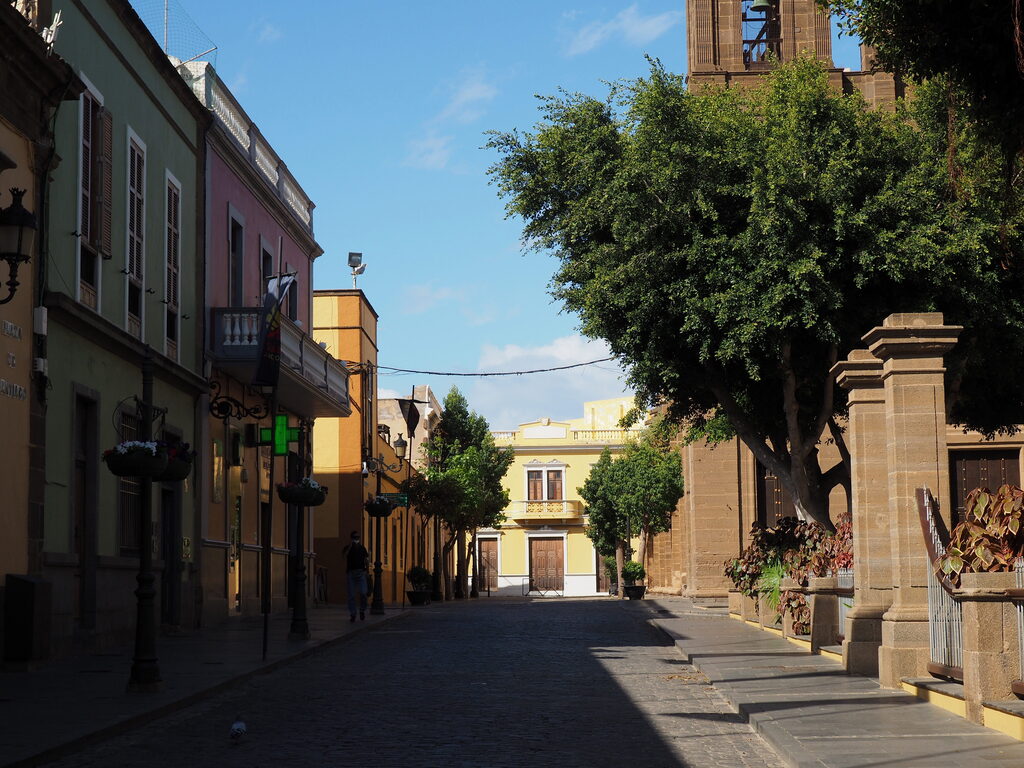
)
(17, 239)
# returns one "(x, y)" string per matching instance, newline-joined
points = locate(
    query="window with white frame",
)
(172, 264)
(135, 269)
(545, 483)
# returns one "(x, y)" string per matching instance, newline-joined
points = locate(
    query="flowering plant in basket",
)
(180, 458)
(305, 493)
(136, 458)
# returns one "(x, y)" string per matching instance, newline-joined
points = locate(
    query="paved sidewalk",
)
(813, 713)
(60, 707)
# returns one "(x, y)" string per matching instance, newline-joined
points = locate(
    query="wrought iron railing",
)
(945, 615)
(844, 582)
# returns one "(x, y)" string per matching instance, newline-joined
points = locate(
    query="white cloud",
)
(467, 101)
(268, 33)
(430, 152)
(508, 401)
(628, 24)
(419, 298)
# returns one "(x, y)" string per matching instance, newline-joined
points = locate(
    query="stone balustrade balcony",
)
(545, 510)
(312, 382)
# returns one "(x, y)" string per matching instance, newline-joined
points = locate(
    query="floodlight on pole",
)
(355, 260)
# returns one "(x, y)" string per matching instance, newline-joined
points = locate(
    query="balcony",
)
(312, 383)
(545, 510)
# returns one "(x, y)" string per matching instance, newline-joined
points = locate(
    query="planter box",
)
(735, 602)
(139, 463)
(635, 591)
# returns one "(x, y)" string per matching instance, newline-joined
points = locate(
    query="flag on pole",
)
(269, 366)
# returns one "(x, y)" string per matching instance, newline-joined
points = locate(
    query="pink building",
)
(259, 227)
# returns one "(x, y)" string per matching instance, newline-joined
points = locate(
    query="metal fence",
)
(1018, 570)
(945, 622)
(844, 581)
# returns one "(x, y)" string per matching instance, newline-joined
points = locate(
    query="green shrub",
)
(633, 572)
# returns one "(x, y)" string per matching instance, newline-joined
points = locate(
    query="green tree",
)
(976, 45)
(634, 493)
(732, 244)
(466, 468)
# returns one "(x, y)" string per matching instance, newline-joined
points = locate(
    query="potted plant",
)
(305, 493)
(418, 579)
(633, 572)
(180, 458)
(135, 458)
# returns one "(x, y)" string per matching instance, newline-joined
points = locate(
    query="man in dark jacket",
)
(357, 563)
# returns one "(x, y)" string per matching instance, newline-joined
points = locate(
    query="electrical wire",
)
(495, 373)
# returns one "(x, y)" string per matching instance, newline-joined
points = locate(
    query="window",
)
(266, 267)
(129, 495)
(293, 295)
(95, 196)
(236, 290)
(172, 287)
(136, 234)
(544, 484)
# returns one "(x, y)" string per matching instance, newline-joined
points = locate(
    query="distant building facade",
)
(542, 548)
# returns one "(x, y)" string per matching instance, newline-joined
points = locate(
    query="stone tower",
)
(729, 41)
(733, 42)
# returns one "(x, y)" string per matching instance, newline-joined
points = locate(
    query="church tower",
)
(733, 42)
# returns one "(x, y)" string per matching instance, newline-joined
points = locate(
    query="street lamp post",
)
(380, 509)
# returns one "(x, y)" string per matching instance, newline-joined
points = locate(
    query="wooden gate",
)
(547, 569)
(489, 563)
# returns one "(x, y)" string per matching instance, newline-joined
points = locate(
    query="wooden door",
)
(980, 469)
(773, 500)
(489, 563)
(547, 571)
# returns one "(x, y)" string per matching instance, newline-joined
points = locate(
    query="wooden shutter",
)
(555, 484)
(105, 187)
(173, 244)
(85, 222)
(535, 487)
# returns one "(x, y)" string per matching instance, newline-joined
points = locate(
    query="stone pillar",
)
(991, 653)
(911, 347)
(824, 605)
(861, 375)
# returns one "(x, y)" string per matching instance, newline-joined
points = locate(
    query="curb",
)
(104, 733)
(787, 747)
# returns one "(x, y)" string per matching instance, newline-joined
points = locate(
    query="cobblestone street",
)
(476, 683)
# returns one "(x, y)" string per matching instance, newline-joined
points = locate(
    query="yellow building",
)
(541, 548)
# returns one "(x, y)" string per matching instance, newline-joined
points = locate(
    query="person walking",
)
(357, 563)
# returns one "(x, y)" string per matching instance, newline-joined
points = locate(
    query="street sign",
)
(397, 499)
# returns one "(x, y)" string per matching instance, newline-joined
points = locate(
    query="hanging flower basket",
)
(134, 458)
(305, 493)
(378, 507)
(180, 458)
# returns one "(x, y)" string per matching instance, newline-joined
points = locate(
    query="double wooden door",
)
(547, 564)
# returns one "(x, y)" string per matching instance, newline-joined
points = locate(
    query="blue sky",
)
(380, 108)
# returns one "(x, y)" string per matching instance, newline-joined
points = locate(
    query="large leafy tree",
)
(977, 46)
(731, 245)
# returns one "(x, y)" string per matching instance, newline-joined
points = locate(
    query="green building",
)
(123, 254)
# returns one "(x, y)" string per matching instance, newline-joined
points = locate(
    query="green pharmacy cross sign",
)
(280, 435)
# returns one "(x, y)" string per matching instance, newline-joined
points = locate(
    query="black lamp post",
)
(380, 508)
(17, 239)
